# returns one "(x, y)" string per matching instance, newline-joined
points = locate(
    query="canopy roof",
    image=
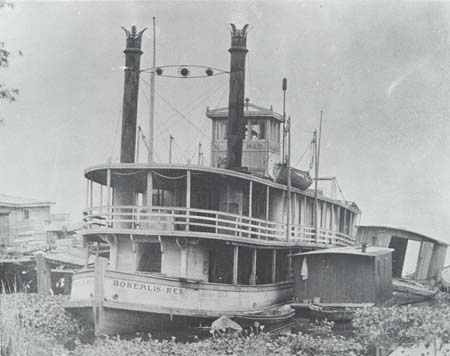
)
(351, 250)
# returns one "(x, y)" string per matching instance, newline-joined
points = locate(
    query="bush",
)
(31, 319)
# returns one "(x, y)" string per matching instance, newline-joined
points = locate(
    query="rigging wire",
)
(308, 149)
(199, 100)
(116, 133)
(196, 103)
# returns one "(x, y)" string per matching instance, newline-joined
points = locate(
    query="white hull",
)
(126, 302)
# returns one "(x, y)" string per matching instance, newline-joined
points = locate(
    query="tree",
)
(5, 92)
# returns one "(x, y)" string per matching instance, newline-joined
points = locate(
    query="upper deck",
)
(210, 203)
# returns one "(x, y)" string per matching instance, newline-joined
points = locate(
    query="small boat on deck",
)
(267, 317)
(299, 179)
(320, 312)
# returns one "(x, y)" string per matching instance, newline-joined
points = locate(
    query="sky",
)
(379, 71)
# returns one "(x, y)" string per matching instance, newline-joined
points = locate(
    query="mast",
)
(283, 145)
(287, 159)
(316, 180)
(170, 148)
(236, 123)
(289, 180)
(152, 99)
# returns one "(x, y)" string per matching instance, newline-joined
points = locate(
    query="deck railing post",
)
(217, 223)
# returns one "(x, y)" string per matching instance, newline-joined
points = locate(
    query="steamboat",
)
(177, 245)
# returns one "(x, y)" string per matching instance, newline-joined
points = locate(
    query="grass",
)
(32, 325)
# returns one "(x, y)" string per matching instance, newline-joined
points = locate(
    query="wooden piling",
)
(44, 278)
(99, 294)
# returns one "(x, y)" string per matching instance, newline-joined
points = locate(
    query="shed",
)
(344, 275)
(432, 252)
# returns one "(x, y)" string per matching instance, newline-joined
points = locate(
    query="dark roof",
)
(250, 110)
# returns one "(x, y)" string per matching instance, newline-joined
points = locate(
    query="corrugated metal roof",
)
(352, 250)
(12, 201)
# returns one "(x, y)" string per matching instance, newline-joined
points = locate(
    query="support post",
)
(99, 294)
(44, 279)
(91, 202)
(235, 264)
(188, 197)
(339, 227)
(253, 275)
(267, 210)
(350, 228)
(290, 264)
(101, 199)
(87, 193)
(274, 266)
(250, 198)
(108, 192)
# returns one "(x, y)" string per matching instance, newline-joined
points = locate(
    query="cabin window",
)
(221, 130)
(149, 257)
(26, 214)
(257, 130)
(274, 131)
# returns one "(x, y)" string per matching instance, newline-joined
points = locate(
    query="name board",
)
(152, 288)
(256, 145)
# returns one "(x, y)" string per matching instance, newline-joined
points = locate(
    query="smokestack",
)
(236, 122)
(130, 94)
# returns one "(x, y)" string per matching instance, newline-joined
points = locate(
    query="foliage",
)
(403, 326)
(32, 325)
(5, 92)
(26, 317)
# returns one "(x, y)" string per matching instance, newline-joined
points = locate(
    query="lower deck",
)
(197, 259)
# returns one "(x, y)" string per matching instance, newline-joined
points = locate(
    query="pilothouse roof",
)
(250, 110)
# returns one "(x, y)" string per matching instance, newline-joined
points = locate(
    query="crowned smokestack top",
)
(236, 122)
(130, 94)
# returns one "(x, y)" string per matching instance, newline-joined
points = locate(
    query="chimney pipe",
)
(236, 122)
(133, 54)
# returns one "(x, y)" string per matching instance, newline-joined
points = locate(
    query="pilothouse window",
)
(257, 130)
(221, 130)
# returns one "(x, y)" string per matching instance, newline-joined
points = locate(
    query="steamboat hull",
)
(127, 303)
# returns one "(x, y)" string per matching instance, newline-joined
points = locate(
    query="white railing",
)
(170, 219)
